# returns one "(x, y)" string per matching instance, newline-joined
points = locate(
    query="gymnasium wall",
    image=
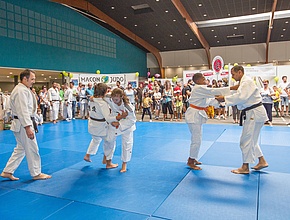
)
(39, 34)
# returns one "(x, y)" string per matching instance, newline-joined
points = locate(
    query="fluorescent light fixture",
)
(243, 19)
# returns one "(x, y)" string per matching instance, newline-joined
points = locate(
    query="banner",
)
(109, 79)
(262, 71)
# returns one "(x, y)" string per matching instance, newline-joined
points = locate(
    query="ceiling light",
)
(204, 15)
(254, 32)
(282, 35)
(166, 11)
(190, 39)
(125, 17)
(156, 25)
(253, 25)
(49, 77)
(157, 0)
(284, 29)
(112, 7)
(243, 19)
(212, 30)
(164, 46)
(8, 76)
(199, 5)
(42, 74)
(55, 78)
(194, 44)
(158, 42)
(152, 37)
(215, 36)
(229, 14)
(135, 25)
(178, 41)
(254, 38)
(253, 9)
(235, 28)
(44, 78)
(174, 20)
(171, 35)
(286, 22)
(10, 73)
(185, 34)
(258, 61)
(218, 41)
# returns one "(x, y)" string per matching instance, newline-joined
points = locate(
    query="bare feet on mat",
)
(197, 162)
(87, 158)
(260, 166)
(194, 167)
(241, 171)
(124, 167)
(42, 176)
(192, 164)
(9, 176)
(111, 165)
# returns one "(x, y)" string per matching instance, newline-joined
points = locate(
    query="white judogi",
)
(23, 105)
(247, 95)
(126, 128)
(201, 96)
(54, 98)
(39, 119)
(99, 109)
(83, 103)
(67, 106)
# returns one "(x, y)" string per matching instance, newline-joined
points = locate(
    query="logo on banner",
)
(105, 79)
(217, 64)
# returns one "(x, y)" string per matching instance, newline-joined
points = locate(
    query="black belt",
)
(96, 119)
(33, 122)
(243, 113)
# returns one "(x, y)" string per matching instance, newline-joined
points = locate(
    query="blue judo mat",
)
(157, 185)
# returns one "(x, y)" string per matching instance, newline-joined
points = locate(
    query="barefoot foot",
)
(124, 167)
(42, 176)
(111, 165)
(87, 158)
(260, 166)
(194, 167)
(240, 171)
(9, 176)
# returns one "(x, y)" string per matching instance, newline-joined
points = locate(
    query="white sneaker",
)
(150, 121)
(140, 120)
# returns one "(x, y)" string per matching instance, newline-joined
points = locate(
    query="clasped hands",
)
(124, 114)
(220, 98)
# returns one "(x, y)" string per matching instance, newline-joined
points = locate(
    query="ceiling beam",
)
(271, 21)
(89, 8)
(179, 6)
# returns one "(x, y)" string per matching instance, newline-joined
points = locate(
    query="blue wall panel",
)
(44, 35)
